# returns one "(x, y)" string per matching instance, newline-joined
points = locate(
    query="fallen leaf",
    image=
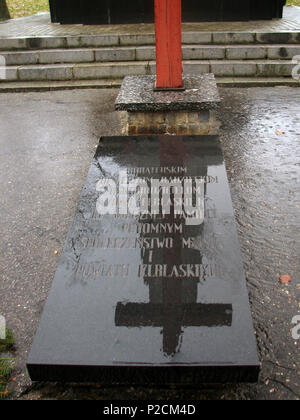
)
(285, 279)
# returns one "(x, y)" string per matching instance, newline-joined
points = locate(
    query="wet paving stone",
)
(44, 164)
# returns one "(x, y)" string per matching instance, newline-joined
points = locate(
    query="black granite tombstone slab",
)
(150, 286)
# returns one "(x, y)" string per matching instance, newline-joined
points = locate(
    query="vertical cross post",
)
(168, 44)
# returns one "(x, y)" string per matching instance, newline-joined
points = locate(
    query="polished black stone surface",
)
(145, 296)
(137, 95)
(117, 11)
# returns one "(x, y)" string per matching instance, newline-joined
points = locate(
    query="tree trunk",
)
(4, 13)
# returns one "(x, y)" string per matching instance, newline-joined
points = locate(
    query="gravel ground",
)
(47, 143)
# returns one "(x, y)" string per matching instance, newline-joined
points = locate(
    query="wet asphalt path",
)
(47, 141)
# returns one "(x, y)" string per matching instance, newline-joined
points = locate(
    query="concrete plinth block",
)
(168, 112)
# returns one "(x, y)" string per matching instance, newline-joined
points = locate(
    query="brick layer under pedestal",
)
(171, 122)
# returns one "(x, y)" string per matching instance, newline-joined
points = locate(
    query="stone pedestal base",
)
(185, 112)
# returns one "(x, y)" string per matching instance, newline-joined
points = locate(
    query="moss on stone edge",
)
(6, 363)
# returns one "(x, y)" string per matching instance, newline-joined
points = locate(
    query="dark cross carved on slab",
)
(173, 301)
(172, 317)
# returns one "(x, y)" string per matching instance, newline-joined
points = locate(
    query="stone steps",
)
(113, 70)
(142, 39)
(147, 53)
(38, 86)
(74, 60)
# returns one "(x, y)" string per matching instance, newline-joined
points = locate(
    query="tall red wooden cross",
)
(168, 44)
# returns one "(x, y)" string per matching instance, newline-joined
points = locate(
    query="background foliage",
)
(19, 8)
